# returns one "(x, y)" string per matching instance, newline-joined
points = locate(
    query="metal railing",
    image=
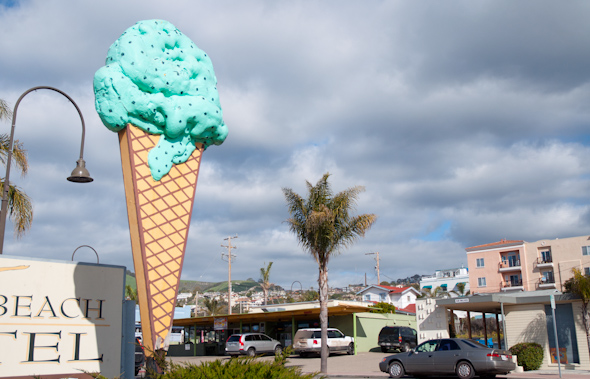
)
(509, 263)
(547, 280)
(541, 260)
(513, 283)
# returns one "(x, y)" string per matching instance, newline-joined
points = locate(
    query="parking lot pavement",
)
(363, 364)
(366, 365)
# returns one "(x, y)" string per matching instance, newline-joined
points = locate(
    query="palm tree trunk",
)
(323, 283)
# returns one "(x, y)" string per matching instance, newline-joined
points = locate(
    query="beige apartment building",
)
(515, 265)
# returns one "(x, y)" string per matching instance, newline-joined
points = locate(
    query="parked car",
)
(401, 338)
(462, 357)
(309, 341)
(139, 355)
(252, 344)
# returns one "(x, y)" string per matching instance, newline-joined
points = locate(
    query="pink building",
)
(516, 265)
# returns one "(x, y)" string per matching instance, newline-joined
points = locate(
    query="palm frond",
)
(5, 111)
(21, 209)
(19, 154)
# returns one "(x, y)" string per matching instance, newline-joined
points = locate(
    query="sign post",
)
(558, 355)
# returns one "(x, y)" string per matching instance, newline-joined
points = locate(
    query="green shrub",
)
(529, 355)
(237, 368)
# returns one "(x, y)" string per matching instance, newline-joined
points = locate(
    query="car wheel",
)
(383, 349)
(278, 350)
(406, 348)
(396, 369)
(136, 371)
(464, 370)
(251, 352)
(350, 349)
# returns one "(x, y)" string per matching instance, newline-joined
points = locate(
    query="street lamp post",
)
(79, 174)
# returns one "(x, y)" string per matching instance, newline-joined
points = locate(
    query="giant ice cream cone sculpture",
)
(158, 91)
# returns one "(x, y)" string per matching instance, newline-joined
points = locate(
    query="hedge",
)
(529, 355)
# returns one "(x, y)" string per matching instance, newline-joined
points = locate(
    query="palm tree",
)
(213, 306)
(265, 284)
(323, 225)
(130, 293)
(19, 204)
(460, 291)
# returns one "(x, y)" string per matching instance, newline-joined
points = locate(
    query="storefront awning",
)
(300, 314)
(429, 287)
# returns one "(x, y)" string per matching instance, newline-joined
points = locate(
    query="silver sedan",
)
(462, 357)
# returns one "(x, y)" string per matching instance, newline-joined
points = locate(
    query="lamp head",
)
(80, 173)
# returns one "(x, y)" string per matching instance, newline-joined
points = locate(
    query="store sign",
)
(220, 323)
(59, 318)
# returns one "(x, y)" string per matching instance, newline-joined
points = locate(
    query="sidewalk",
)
(366, 365)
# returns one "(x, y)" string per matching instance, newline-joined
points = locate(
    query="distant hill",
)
(236, 286)
(192, 285)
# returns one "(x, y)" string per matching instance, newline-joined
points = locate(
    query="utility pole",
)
(377, 266)
(229, 256)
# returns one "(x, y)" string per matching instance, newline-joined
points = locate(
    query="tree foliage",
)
(213, 306)
(382, 307)
(265, 280)
(19, 203)
(323, 225)
(579, 284)
(131, 293)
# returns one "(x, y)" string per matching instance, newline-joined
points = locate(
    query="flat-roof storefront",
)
(207, 335)
(528, 317)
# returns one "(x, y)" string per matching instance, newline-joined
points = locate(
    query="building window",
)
(587, 271)
(481, 282)
(480, 262)
(367, 297)
(585, 250)
(547, 277)
(408, 298)
(546, 256)
(381, 297)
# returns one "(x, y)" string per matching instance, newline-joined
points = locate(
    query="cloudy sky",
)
(466, 121)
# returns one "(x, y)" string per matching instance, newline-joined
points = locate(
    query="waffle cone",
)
(159, 215)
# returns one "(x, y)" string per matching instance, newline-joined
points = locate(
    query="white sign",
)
(220, 323)
(59, 318)
(461, 300)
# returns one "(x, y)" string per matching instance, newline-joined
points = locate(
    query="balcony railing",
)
(512, 283)
(512, 263)
(541, 260)
(547, 280)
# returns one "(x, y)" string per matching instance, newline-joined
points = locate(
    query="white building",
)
(402, 298)
(446, 279)
(431, 320)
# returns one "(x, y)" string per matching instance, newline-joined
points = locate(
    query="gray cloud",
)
(466, 123)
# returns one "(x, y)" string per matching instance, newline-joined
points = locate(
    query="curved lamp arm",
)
(79, 175)
(74, 253)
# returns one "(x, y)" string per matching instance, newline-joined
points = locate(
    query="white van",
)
(309, 341)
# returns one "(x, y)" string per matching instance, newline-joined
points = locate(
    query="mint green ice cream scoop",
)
(157, 79)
